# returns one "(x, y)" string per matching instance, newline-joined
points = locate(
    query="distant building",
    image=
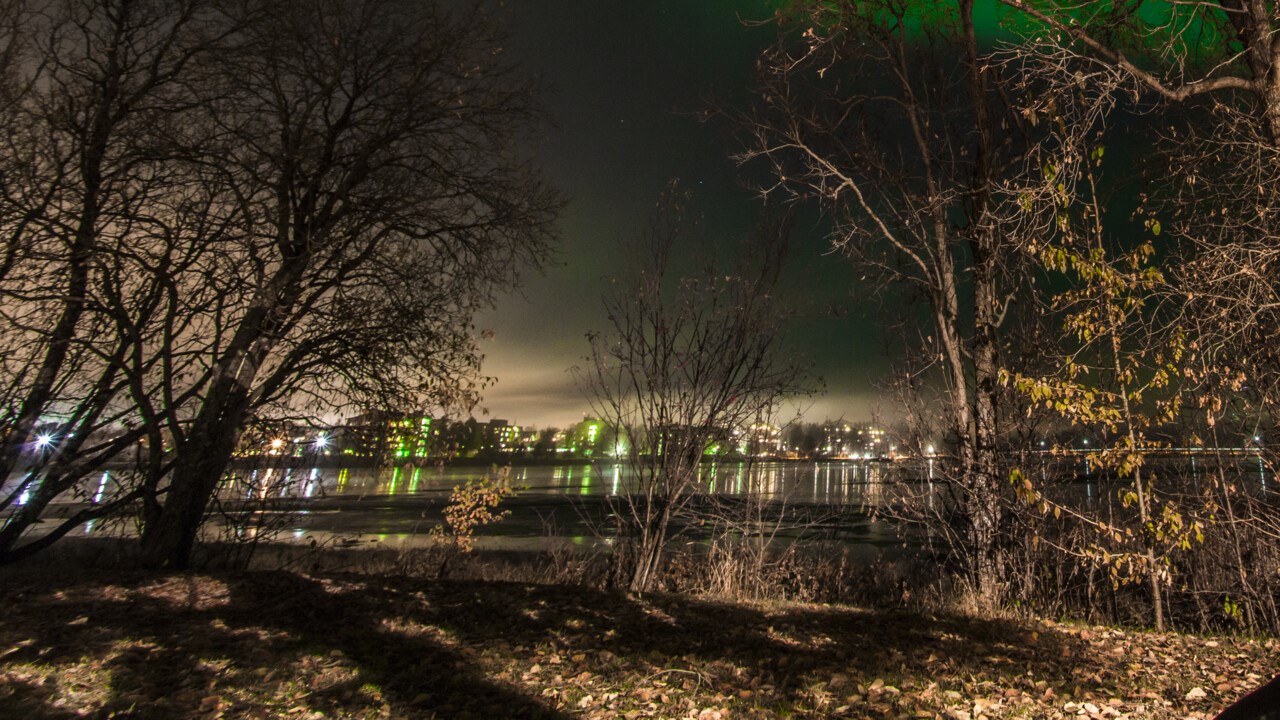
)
(853, 440)
(586, 439)
(396, 437)
(503, 437)
(528, 440)
(760, 440)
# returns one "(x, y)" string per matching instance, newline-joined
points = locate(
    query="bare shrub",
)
(687, 359)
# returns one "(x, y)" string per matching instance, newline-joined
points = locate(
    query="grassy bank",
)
(283, 644)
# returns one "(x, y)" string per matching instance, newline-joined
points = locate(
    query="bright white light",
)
(1086, 441)
(102, 488)
(322, 442)
(44, 441)
(277, 444)
(929, 450)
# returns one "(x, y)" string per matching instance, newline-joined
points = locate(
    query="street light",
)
(322, 442)
(44, 441)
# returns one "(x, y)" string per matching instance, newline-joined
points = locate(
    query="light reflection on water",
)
(851, 482)
(401, 504)
(829, 482)
(383, 504)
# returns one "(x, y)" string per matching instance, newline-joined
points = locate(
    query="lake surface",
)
(831, 501)
(825, 482)
(567, 504)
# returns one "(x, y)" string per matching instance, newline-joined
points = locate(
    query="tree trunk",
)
(651, 541)
(983, 481)
(204, 456)
(984, 484)
(1144, 500)
(167, 542)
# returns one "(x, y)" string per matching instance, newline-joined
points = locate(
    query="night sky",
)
(627, 81)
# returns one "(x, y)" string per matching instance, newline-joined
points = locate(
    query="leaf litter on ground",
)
(290, 645)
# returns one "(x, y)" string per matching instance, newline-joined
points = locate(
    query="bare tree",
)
(890, 116)
(1222, 48)
(687, 360)
(90, 190)
(217, 213)
(370, 148)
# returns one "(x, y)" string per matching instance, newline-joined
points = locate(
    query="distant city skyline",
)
(381, 438)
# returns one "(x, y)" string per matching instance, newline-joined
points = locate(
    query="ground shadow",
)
(269, 644)
(180, 647)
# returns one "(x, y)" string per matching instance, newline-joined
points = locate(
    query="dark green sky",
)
(627, 80)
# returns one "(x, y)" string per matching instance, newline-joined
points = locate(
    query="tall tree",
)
(93, 103)
(216, 213)
(370, 148)
(889, 114)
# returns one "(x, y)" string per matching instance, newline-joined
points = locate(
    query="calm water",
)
(858, 482)
(831, 501)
